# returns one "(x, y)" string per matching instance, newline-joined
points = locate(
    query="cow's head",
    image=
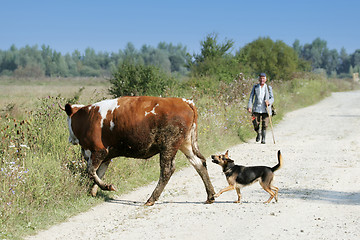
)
(70, 111)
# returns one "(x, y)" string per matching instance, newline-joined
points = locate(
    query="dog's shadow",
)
(334, 197)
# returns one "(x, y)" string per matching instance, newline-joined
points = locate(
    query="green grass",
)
(43, 179)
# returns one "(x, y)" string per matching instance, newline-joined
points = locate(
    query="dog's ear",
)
(227, 154)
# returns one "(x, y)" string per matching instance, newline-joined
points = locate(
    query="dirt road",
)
(319, 195)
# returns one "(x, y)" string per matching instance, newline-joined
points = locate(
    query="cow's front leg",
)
(167, 168)
(100, 172)
(97, 159)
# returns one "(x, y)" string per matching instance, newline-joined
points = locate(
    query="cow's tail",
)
(194, 134)
(200, 167)
(280, 162)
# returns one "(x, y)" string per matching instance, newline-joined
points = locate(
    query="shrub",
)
(137, 79)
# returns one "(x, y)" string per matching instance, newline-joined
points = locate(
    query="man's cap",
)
(262, 75)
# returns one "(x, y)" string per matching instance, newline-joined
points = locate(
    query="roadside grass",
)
(43, 179)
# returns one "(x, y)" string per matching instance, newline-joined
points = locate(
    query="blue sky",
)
(109, 25)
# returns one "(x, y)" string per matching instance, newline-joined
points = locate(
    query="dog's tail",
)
(280, 163)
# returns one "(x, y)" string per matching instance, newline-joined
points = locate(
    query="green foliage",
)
(212, 50)
(277, 59)
(321, 57)
(136, 79)
(35, 62)
(214, 60)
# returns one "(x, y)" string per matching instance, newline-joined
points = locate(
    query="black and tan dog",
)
(240, 176)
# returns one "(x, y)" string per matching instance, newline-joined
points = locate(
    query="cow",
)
(137, 127)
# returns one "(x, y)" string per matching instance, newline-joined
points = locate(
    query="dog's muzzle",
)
(214, 159)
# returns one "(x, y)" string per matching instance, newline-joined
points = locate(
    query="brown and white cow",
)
(137, 127)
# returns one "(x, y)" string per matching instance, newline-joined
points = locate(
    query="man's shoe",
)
(258, 137)
(263, 135)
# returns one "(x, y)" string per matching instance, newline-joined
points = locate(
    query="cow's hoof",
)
(210, 201)
(149, 203)
(111, 188)
(94, 190)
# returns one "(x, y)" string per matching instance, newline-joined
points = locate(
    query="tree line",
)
(335, 63)
(216, 59)
(32, 61)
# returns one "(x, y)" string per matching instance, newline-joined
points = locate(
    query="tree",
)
(343, 62)
(156, 57)
(61, 68)
(177, 56)
(47, 55)
(71, 65)
(297, 47)
(212, 50)
(330, 61)
(131, 55)
(9, 59)
(214, 59)
(90, 59)
(277, 59)
(355, 58)
(320, 56)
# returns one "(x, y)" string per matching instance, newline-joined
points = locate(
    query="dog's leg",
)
(272, 194)
(228, 188)
(239, 195)
(267, 188)
(276, 190)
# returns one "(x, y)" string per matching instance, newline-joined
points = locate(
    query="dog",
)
(240, 176)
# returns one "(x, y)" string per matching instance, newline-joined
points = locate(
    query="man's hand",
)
(267, 102)
(249, 110)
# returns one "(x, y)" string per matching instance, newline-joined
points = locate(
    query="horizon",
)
(67, 26)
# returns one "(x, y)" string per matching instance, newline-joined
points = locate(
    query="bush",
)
(277, 59)
(137, 79)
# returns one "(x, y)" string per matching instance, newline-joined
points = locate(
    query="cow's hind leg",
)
(199, 163)
(96, 160)
(167, 168)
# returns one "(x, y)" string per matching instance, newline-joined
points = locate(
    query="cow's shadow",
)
(308, 194)
(142, 203)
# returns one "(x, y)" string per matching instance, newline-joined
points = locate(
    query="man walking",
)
(261, 97)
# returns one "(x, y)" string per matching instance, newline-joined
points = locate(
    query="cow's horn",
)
(61, 107)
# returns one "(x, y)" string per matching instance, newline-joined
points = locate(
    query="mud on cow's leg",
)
(167, 168)
(98, 164)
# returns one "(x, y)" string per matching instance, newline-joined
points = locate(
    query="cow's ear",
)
(68, 109)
